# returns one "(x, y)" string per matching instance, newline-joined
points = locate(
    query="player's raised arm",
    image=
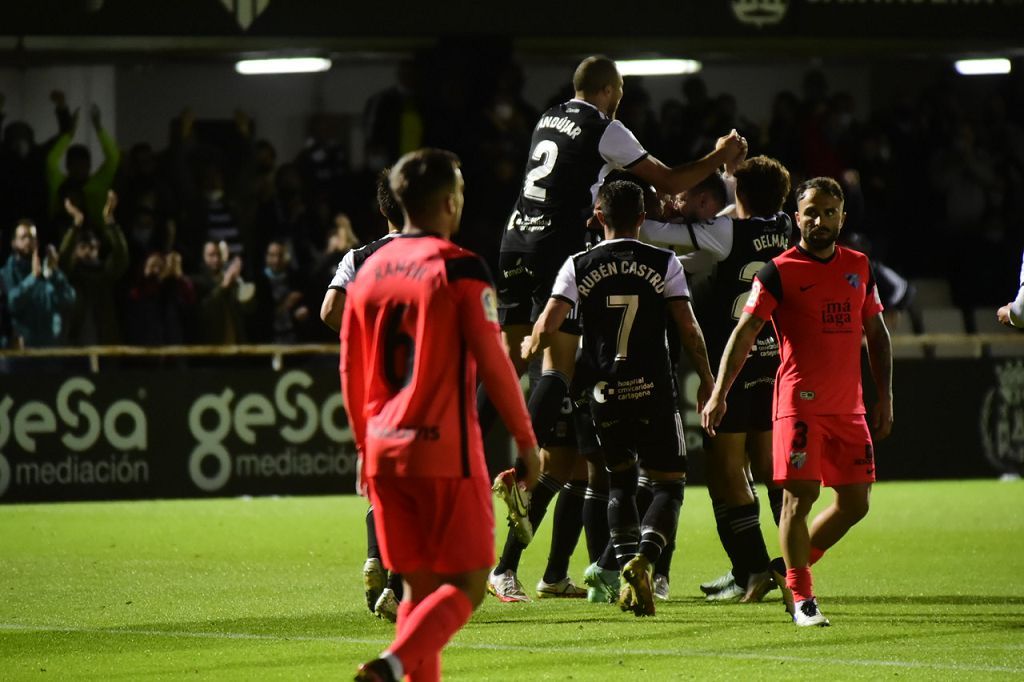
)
(728, 151)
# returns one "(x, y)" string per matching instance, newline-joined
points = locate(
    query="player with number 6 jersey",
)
(420, 320)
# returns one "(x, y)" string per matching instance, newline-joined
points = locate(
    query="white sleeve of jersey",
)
(675, 280)
(565, 282)
(668, 234)
(345, 273)
(619, 147)
(1017, 307)
(715, 237)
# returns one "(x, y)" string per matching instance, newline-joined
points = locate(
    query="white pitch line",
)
(682, 653)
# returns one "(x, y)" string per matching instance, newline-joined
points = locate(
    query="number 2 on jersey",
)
(546, 152)
(629, 304)
(746, 275)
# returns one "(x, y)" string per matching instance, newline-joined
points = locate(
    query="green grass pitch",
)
(929, 586)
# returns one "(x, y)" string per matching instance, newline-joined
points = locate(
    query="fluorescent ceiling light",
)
(982, 67)
(657, 67)
(250, 67)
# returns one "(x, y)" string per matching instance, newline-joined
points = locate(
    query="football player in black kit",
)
(627, 292)
(737, 247)
(574, 146)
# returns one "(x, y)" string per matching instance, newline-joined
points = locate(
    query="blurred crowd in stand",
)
(212, 238)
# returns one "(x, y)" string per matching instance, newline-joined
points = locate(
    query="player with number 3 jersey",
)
(822, 300)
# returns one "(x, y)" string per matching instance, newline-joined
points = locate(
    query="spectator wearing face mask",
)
(94, 316)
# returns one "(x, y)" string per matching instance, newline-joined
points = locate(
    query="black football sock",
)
(644, 494)
(607, 559)
(662, 518)
(623, 519)
(663, 565)
(396, 585)
(545, 491)
(775, 500)
(595, 523)
(565, 530)
(545, 403)
(486, 412)
(751, 553)
(372, 549)
(725, 532)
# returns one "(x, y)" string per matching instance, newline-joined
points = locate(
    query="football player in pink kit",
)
(420, 323)
(822, 300)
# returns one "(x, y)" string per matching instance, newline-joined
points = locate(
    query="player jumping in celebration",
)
(574, 146)
(420, 320)
(821, 299)
(626, 292)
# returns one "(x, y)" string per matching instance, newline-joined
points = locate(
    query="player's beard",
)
(820, 239)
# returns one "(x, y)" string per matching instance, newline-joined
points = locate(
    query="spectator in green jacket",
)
(94, 316)
(88, 189)
(37, 291)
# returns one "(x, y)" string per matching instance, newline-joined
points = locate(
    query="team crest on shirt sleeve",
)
(489, 302)
(755, 293)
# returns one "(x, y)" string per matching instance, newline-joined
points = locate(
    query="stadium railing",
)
(978, 344)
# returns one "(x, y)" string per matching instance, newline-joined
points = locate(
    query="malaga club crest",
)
(759, 13)
(1002, 419)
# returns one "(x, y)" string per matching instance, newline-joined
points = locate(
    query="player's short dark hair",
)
(715, 185)
(421, 177)
(763, 183)
(822, 184)
(386, 202)
(621, 202)
(594, 74)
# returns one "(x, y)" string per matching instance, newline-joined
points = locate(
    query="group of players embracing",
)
(583, 289)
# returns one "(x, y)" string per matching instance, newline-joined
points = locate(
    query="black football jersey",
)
(621, 288)
(755, 241)
(569, 154)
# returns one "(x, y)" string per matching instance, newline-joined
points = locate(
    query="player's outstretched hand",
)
(881, 419)
(530, 460)
(711, 415)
